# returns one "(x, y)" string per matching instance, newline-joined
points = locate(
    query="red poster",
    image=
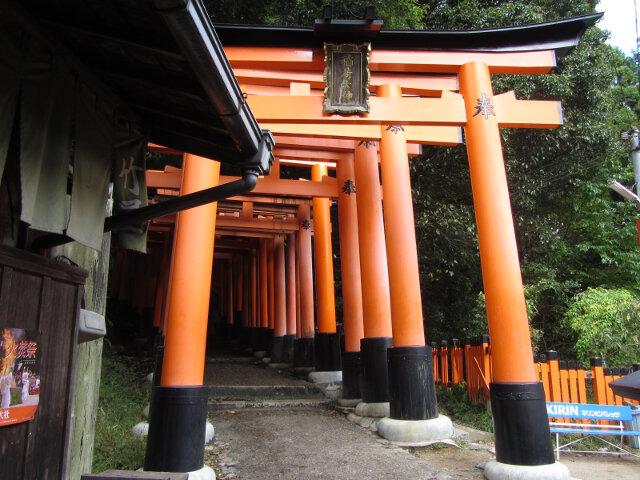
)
(19, 375)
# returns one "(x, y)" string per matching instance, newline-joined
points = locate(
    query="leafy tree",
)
(607, 325)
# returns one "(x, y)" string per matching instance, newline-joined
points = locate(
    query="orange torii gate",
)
(421, 97)
(283, 87)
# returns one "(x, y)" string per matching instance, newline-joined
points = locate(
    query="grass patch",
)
(455, 403)
(123, 395)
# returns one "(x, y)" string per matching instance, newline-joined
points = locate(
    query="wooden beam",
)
(445, 111)
(425, 85)
(265, 186)
(426, 135)
(272, 58)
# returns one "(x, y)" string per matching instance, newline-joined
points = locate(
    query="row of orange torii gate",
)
(270, 283)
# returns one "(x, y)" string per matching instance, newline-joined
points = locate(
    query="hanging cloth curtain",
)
(130, 186)
(91, 173)
(45, 142)
(9, 90)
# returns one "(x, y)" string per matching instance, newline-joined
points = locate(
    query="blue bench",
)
(581, 411)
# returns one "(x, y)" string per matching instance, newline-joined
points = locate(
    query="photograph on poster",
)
(19, 375)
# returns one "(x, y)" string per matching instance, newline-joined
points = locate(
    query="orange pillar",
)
(264, 296)
(304, 353)
(376, 308)
(271, 284)
(513, 371)
(327, 341)
(186, 328)
(402, 253)
(280, 300)
(351, 284)
(409, 355)
(292, 294)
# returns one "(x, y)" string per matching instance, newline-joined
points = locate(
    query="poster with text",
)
(19, 375)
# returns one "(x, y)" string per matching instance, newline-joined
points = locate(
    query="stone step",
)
(221, 405)
(263, 392)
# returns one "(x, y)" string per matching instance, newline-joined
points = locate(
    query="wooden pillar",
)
(303, 351)
(411, 382)
(280, 300)
(271, 283)
(291, 284)
(292, 294)
(526, 441)
(351, 284)
(376, 308)
(230, 293)
(327, 341)
(402, 253)
(186, 333)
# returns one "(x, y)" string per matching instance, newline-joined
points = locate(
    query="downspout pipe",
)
(214, 194)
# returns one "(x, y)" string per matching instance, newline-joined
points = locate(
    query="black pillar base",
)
(277, 349)
(177, 424)
(351, 375)
(412, 391)
(303, 353)
(375, 378)
(520, 424)
(244, 337)
(254, 337)
(287, 348)
(261, 344)
(327, 352)
(269, 342)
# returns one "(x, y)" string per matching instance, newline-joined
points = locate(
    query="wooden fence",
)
(469, 361)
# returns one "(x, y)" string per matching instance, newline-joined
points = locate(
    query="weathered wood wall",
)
(88, 358)
(41, 294)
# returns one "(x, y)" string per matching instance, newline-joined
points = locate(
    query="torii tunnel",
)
(253, 255)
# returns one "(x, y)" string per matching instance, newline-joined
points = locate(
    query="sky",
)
(619, 19)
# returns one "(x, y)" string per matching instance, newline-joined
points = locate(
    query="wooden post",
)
(376, 306)
(410, 369)
(513, 373)
(327, 342)
(292, 293)
(303, 350)
(351, 283)
(280, 300)
(186, 333)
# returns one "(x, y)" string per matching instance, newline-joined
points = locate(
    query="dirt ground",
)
(466, 464)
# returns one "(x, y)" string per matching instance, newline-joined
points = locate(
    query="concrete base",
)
(494, 470)
(209, 432)
(205, 473)
(416, 433)
(364, 409)
(349, 402)
(259, 354)
(266, 360)
(326, 377)
(141, 430)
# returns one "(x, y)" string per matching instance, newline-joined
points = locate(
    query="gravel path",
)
(306, 443)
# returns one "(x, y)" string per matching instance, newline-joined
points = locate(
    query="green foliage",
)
(123, 395)
(456, 404)
(607, 325)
